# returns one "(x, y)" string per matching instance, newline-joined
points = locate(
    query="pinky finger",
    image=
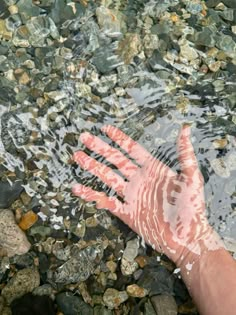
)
(101, 199)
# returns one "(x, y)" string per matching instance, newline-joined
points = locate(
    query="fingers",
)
(135, 150)
(112, 155)
(104, 173)
(101, 199)
(187, 158)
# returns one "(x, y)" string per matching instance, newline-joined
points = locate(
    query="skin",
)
(167, 209)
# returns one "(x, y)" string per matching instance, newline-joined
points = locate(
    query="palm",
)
(163, 207)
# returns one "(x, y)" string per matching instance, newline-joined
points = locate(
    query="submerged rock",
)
(24, 281)
(70, 304)
(9, 193)
(31, 304)
(12, 239)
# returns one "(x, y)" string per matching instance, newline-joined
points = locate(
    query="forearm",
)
(212, 282)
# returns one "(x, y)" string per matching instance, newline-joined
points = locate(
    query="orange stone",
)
(27, 220)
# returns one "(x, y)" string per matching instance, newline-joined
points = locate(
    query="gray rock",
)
(24, 281)
(70, 304)
(79, 267)
(105, 58)
(164, 305)
(9, 193)
(12, 238)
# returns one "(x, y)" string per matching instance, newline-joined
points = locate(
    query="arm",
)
(212, 282)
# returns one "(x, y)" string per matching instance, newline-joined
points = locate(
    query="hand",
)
(167, 209)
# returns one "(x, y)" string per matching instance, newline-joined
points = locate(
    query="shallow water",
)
(145, 67)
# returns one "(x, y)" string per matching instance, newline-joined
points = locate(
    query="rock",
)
(105, 58)
(129, 47)
(128, 263)
(108, 22)
(79, 267)
(28, 220)
(136, 291)
(32, 304)
(9, 192)
(12, 238)
(220, 167)
(71, 304)
(113, 298)
(164, 305)
(24, 281)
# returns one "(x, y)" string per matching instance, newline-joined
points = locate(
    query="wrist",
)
(197, 258)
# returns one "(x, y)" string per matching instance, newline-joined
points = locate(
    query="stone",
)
(12, 238)
(113, 298)
(32, 304)
(71, 304)
(24, 281)
(136, 291)
(9, 192)
(164, 305)
(128, 263)
(27, 220)
(220, 167)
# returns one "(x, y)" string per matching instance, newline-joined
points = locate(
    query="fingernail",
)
(84, 136)
(186, 130)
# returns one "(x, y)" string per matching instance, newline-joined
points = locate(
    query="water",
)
(145, 68)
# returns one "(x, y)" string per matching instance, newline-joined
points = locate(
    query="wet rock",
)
(128, 263)
(113, 298)
(136, 291)
(71, 304)
(157, 280)
(79, 267)
(129, 47)
(105, 58)
(108, 22)
(32, 304)
(148, 309)
(9, 192)
(24, 281)
(101, 310)
(164, 305)
(14, 131)
(220, 167)
(12, 238)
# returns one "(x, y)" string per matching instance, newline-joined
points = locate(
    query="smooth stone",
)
(24, 281)
(9, 193)
(71, 304)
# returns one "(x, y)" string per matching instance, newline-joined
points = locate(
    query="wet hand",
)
(166, 208)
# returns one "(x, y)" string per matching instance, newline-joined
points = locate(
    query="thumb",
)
(186, 155)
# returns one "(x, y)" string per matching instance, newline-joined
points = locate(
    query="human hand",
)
(167, 209)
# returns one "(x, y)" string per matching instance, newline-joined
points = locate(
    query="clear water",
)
(151, 109)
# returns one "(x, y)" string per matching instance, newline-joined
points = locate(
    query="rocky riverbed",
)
(67, 66)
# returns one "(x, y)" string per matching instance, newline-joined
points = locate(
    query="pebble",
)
(12, 238)
(136, 291)
(27, 220)
(24, 281)
(113, 298)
